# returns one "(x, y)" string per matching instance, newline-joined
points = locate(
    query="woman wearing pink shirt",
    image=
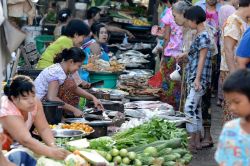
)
(20, 108)
(172, 48)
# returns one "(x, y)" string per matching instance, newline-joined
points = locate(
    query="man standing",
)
(243, 51)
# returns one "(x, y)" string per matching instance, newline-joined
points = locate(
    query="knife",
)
(97, 83)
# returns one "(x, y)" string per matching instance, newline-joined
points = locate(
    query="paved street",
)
(205, 157)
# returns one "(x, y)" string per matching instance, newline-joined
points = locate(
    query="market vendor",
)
(75, 32)
(97, 45)
(55, 83)
(93, 16)
(20, 109)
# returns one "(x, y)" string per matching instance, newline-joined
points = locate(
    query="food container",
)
(52, 113)
(67, 133)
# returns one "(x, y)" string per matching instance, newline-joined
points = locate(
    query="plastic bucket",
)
(110, 79)
(43, 41)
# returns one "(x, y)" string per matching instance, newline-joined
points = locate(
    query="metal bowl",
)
(67, 133)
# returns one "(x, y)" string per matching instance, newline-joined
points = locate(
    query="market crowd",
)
(208, 43)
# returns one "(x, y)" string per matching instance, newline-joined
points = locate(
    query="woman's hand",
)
(197, 85)
(86, 85)
(98, 104)
(77, 113)
(130, 35)
(58, 154)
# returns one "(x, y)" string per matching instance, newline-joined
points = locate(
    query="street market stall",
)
(134, 128)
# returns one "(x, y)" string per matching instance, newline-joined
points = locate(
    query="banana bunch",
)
(139, 22)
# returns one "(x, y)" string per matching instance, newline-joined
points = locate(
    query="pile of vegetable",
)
(156, 129)
(163, 152)
(121, 157)
(102, 144)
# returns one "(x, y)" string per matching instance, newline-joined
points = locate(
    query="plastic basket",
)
(43, 41)
(110, 79)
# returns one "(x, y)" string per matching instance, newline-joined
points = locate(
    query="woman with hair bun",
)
(20, 109)
(55, 83)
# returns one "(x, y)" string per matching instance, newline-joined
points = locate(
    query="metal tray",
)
(142, 98)
(66, 133)
(100, 123)
(75, 120)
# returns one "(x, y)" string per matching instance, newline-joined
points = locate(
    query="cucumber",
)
(159, 145)
(142, 147)
(180, 151)
(164, 152)
(187, 157)
(170, 157)
(146, 160)
(173, 143)
(177, 155)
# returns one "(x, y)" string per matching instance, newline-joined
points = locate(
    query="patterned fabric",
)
(174, 46)
(9, 109)
(213, 20)
(206, 107)
(224, 12)
(201, 41)
(193, 109)
(171, 89)
(234, 145)
(51, 73)
(227, 114)
(234, 27)
(67, 95)
(66, 92)
(188, 37)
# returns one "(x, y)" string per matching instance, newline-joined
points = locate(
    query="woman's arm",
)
(80, 92)
(42, 126)
(167, 35)
(117, 29)
(166, 40)
(242, 62)
(229, 46)
(52, 96)
(16, 127)
(4, 161)
(202, 59)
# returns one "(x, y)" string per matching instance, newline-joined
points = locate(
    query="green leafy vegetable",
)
(102, 143)
(156, 129)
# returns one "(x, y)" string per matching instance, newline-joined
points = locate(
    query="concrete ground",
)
(205, 157)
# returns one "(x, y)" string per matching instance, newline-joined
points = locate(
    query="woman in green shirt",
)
(75, 32)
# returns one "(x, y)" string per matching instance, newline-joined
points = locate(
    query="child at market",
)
(20, 109)
(234, 142)
(198, 73)
(55, 83)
